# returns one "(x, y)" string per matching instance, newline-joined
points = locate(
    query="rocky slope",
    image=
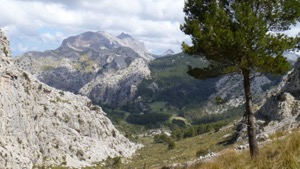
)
(281, 111)
(119, 87)
(43, 126)
(229, 89)
(91, 64)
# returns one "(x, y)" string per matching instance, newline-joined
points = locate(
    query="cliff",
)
(43, 126)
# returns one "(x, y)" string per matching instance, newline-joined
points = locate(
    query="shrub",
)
(178, 122)
(171, 144)
(113, 162)
(219, 100)
(45, 108)
(114, 133)
(25, 75)
(148, 118)
(163, 138)
(197, 130)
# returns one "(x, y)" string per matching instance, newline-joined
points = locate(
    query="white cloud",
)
(22, 48)
(41, 24)
(52, 38)
(294, 31)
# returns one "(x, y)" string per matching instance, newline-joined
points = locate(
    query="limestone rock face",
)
(4, 46)
(43, 126)
(91, 64)
(118, 87)
(230, 89)
(282, 109)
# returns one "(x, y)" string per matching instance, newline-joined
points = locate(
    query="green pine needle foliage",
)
(235, 35)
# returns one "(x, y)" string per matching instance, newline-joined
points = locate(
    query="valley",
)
(115, 73)
(187, 84)
(146, 96)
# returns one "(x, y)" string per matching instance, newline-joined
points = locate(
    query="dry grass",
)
(279, 154)
(155, 156)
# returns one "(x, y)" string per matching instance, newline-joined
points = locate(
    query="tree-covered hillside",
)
(170, 83)
(170, 97)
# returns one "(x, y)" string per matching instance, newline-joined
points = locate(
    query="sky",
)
(38, 25)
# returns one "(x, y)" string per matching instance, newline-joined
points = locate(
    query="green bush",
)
(148, 118)
(179, 123)
(163, 138)
(25, 75)
(192, 131)
(113, 163)
(171, 145)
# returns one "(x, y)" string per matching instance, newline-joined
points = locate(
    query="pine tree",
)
(238, 36)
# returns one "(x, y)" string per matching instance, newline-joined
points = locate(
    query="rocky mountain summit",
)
(91, 64)
(103, 40)
(167, 53)
(43, 126)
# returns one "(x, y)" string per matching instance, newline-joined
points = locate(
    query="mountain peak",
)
(168, 52)
(123, 36)
(102, 40)
(4, 45)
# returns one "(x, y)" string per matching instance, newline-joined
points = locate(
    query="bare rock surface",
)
(91, 64)
(120, 86)
(230, 91)
(43, 126)
(281, 111)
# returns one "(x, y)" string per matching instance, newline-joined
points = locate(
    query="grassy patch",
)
(281, 153)
(158, 155)
(85, 64)
(47, 68)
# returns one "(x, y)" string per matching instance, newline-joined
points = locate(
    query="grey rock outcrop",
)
(119, 87)
(281, 111)
(208, 157)
(91, 64)
(43, 126)
(230, 91)
(4, 46)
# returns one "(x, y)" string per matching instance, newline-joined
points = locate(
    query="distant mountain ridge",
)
(168, 53)
(103, 40)
(87, 63)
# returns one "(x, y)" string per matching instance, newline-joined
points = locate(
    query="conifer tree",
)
(238, 36)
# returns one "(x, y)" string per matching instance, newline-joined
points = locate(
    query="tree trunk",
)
(251, 129)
